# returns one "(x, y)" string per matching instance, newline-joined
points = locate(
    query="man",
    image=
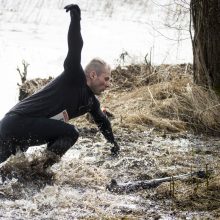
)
(41, 118)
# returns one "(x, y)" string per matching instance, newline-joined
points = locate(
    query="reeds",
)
(165, 97)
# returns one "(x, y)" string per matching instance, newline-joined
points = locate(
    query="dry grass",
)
(164, 97)
(195, 194)
(29, 87)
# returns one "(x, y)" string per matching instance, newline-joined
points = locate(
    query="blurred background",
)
(36, 31)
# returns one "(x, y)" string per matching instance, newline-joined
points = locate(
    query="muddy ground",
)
(77, 188)
(152, 146)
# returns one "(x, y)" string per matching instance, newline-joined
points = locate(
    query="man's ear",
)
(93, 74)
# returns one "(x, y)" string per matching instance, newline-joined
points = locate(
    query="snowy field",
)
(35, 31)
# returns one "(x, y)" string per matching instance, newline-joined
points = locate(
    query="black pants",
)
(17, 130)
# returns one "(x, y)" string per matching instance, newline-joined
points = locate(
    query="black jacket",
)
(68, 91)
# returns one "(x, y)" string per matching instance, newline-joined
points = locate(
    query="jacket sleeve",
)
(102, 121)
(75, 43)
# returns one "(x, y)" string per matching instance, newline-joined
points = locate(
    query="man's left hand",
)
(75, 11)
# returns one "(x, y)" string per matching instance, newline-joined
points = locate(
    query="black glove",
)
(75, 11)
(115, 149)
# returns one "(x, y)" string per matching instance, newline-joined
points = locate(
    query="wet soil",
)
(75, 188)
(162, 122)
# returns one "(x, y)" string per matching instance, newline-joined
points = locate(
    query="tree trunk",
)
(206, 42)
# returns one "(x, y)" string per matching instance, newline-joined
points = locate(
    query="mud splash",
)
(75, 188)
(153, 121)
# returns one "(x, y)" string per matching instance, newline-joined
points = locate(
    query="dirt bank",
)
(162, 122)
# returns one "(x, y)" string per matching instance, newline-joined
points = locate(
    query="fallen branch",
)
(139, 185)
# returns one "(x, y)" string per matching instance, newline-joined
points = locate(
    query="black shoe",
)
(51, 159)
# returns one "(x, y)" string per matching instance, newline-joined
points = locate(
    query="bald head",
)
(98, 74)
(98, 65)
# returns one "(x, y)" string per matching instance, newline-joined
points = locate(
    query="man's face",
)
(101, 82)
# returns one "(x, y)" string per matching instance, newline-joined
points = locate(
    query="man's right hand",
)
(75, 11)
